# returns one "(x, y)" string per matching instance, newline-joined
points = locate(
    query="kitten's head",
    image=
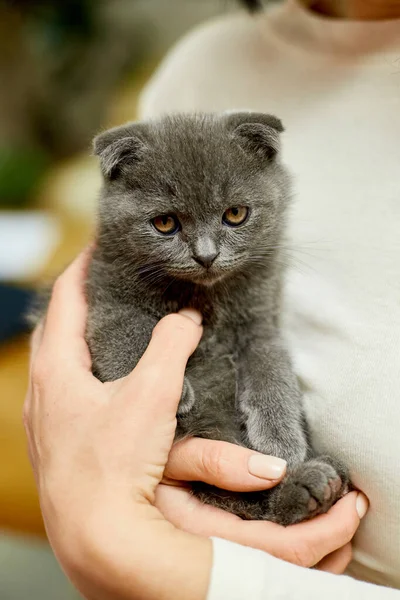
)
(194, 197)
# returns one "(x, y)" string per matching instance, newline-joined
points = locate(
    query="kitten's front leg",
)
(118, 342)
(270, 401)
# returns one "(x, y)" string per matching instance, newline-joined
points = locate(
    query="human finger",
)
(158, 376)
(65, 324)
(224, 465)
(186, 512)
(326, 533)
(336, 562)
(293, 544)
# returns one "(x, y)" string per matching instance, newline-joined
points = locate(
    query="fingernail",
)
(362, 505)
(192, 314)
(266, 467)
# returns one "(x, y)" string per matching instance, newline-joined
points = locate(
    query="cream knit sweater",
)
(336, 86)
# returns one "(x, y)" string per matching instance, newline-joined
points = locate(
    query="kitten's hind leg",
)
(308, 490)
(249, 506)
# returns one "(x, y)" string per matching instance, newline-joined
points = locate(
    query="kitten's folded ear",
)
(119, 146)
(257, 133)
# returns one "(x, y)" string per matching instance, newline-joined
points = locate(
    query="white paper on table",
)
(27, 240)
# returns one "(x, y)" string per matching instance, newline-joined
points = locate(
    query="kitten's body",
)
(227, 310)
(239, 385)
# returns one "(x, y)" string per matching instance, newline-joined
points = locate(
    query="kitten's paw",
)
(309, 490)
(187, 399)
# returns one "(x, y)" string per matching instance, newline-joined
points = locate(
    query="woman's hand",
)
(99, 453)
(99, 450)
(323, 542)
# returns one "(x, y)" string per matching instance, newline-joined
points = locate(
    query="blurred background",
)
(68, 68)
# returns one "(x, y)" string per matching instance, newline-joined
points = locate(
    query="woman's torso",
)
(337, 89)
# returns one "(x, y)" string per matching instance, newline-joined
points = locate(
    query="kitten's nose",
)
(206, 260)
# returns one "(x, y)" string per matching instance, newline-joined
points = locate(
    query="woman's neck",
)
(356, 9)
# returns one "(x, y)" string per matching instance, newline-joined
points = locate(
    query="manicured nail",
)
(266, 467)
(192, 314)
(362, 505)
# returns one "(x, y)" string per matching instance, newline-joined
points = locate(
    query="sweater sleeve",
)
(241, 573)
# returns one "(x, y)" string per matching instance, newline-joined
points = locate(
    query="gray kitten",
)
(192, 214)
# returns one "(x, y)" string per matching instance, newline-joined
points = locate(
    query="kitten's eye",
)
(166, 224)
(236, 215)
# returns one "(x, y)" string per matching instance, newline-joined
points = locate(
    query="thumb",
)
(158, 376)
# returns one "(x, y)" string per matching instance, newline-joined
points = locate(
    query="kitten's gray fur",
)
(239, 383)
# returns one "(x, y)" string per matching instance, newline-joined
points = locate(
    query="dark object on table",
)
(14, 303)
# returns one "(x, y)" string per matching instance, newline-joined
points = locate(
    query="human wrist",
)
(124, 550)
(144, 559)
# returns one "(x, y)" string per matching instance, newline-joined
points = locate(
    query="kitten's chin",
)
(210, 280)
(206, 278)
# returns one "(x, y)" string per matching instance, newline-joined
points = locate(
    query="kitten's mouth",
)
(205, 277)
(209, 278)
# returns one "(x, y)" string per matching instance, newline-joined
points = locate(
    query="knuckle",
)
(302, 554)
(347, 530)
(213, 463)
(153, 380)
(178, 460)
(348, 553)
